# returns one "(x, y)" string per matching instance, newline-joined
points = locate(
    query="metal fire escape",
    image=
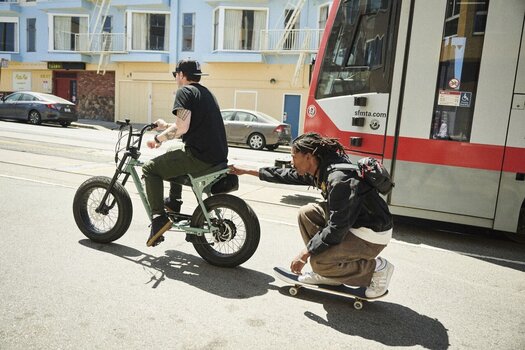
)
(100, 41)
(288, 41)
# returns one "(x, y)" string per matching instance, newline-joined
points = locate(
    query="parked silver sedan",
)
(37, 107)
(256, 129)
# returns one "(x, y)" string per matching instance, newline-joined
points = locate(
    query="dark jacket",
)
(351, 203)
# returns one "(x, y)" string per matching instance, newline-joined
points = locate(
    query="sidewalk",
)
(105, 125)
(94, 124)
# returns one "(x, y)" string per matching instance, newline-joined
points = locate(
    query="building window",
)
(188, 31)
(458, 72)
(8, 34)
(291, 24)
(324, 11)
(149, 31)
(323, 16)
(66, 30)
(238, 29)
(31, 34)
(480, 19)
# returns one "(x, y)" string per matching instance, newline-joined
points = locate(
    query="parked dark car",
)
(256, 129)
(37, 107)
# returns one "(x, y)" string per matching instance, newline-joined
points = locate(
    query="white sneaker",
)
(380, 281)
(314, 278)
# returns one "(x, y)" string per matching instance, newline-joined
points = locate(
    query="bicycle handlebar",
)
(127, 123)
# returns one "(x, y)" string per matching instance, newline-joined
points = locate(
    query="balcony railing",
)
(291, 41)
(100, 43)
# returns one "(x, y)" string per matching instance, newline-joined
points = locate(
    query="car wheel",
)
(34, 118)
(272, 147)
(65, 124)
(256, 141)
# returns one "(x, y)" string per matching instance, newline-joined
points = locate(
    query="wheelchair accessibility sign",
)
(464, 99)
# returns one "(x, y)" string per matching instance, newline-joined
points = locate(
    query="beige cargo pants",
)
(352, 261)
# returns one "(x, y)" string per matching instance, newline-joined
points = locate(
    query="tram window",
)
(458, 72)
(355, 59)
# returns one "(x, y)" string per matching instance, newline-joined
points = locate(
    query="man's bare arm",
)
(181, 125)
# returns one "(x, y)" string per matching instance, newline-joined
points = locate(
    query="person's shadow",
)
(234, 283)
(381, 321)
(300, 199)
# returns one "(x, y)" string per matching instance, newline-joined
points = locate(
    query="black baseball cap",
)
(189, 67)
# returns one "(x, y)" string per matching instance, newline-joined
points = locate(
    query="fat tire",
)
(250, 222)
(84, 206)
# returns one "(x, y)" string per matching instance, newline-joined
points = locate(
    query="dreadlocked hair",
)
(319, 146)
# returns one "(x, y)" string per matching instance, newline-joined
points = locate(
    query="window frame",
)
(28, 35)
(192, 27)
(218, 27)
(51, 30)
(16, 39)
(129, 30)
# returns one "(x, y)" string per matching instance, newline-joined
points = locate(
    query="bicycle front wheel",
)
(114, 218)
(238, 235)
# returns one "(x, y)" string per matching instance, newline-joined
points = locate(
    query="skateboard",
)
(356, 293)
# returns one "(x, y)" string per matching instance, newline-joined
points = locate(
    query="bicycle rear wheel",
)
(238, 235)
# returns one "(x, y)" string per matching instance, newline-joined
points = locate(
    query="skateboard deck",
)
(356, 293)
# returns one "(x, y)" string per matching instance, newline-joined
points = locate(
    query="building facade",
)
(114, 58)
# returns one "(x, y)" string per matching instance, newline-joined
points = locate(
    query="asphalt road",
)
(59, 290)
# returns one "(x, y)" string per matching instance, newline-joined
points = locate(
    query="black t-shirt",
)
(206, 137)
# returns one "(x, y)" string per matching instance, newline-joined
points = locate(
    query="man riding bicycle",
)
(199, 123)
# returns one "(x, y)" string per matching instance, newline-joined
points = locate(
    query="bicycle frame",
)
(200, 185)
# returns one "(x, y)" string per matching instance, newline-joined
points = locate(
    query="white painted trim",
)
(51, 32)
(129, 27)
(17, 32)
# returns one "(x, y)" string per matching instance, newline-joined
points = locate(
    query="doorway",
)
(292, 108)
(65, 85)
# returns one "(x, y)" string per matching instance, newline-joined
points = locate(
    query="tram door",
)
(459, 88)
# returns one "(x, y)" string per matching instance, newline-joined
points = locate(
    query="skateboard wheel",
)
(293, 291)
(358, 305)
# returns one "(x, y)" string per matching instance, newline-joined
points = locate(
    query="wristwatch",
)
(157, 139)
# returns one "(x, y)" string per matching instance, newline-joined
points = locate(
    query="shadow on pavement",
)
(299, 199)
(386, 323)
(193, 271)
(480, 243)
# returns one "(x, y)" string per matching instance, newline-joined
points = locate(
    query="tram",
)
(436, 90)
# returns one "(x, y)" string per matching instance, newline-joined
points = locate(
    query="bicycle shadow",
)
(192, 270)
(380, 321)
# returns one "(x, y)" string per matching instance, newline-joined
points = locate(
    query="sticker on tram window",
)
(312, 111)
(464, 99)
(454, 98)
(453, 83)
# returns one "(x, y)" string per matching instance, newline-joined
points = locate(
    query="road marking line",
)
(36, 181)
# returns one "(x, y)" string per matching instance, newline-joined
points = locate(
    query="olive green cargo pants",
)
(175, 162)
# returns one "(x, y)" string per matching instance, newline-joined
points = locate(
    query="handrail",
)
(291, 40)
